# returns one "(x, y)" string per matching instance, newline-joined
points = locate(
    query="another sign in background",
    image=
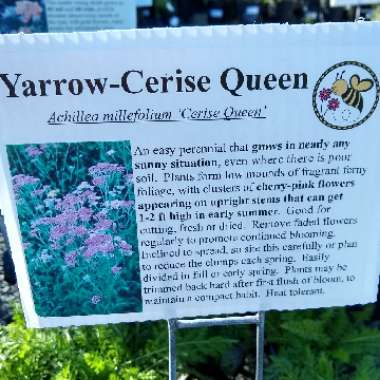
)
(39, 16)
(144, 3)
(77, 16)
(342, 3)
(23, 16)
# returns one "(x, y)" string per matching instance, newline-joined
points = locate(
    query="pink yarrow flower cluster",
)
(82, 223)
(98, 243)
(105, 168)
(101, 172)
(21, 180)
(33, 151)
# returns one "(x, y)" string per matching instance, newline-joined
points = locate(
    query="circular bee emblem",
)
(346, 95)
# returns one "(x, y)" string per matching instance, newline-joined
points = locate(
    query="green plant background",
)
(107, 282)
(324, 344)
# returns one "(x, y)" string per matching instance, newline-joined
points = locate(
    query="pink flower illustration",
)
(325, 94)
(333, 104)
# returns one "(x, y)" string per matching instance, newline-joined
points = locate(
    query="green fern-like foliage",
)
(85, 353)
(111, 352)
(326, 344)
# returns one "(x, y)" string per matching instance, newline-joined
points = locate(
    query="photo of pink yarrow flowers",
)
(76, 208)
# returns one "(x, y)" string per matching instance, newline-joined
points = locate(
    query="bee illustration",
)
(351, 93)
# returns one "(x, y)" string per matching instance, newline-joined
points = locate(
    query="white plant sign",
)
(159, 174)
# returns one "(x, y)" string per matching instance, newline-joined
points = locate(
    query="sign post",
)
(257, 319)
